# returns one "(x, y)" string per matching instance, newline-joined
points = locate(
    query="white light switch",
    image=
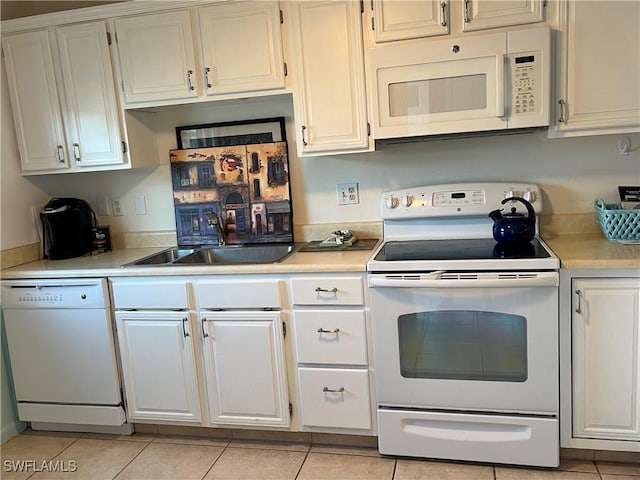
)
(140, 205)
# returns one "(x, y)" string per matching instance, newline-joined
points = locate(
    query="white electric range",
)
(465, 330)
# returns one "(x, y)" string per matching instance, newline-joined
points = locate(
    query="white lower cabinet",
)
(158, 365)
(599, 359)
(330, 330)
(243, 347)
(245, 372)
(334, 397)
(606, 369)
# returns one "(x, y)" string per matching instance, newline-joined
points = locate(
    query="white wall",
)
(572, 172)
(17, 194)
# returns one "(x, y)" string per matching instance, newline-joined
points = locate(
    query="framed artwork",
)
(244, 185)
(248, 132)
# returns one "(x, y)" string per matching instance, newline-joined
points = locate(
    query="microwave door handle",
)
(500, 80)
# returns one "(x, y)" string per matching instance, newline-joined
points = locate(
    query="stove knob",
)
(530, 196)
(391, 202)
(406, 200)
(510, 194)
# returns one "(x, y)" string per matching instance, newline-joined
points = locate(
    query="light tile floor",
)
(33, 455)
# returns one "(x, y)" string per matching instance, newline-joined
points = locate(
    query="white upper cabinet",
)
(403, 20)
(483, 14)
(35, 102)
(241, 47)
(598, 68)
(393, 20)
(190, 54)
(329, 96)
(93, 128)
(66, 122)
(157, 57)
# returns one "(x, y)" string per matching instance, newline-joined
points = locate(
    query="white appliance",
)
(465, 331)
(487, 82)
(62, 354)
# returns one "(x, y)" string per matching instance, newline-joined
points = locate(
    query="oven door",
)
(466, 341)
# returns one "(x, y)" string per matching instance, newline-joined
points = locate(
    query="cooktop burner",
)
(458, 249)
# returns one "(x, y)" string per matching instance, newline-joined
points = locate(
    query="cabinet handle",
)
(191, 87)
(335, 331)
(562, 104)
(60, 153)
(206, 77)
(76, 151)
(304, 142)
(579, 306)
(330, 390)
(204, 332)
(334, 290)
(184, 327)
(443, 10)
(467, 15)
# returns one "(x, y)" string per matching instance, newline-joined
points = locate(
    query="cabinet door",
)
(157, 57)
(158, 366)
(35, 102)
(244, 368)
(606, 373)
(598, 82)
(403, 20)
(93, 128)
(241, 47)
(482, 14)
(330, 98)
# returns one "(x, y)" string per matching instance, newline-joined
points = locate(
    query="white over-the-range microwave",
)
(488, 82)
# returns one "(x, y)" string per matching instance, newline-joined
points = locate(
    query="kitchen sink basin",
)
(228, 255)
(162, 258)
(237, 255)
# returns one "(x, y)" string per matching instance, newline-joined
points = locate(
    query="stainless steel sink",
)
(162, 258)
(227, 255)
(237, 255)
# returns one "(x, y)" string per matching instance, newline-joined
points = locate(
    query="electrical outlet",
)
(116, 206)
(347, 193)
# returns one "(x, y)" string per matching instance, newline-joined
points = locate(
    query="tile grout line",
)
(224, 449)
(134, 457)
(306, 455)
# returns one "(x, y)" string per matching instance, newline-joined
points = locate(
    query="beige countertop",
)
(575, 250)
(592, 250)
(109, 264)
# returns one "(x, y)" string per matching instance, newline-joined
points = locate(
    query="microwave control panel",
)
(529, 79)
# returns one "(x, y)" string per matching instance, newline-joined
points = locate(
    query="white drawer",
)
(239, 294)
(328, 291)
(129, 293)
(348, 406)
(331, 336)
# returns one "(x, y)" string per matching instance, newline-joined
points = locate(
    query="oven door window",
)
(463, 345)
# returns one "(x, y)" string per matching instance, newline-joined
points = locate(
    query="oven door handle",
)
(549, 279)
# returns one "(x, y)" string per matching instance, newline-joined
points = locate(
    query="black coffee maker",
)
(68, 226)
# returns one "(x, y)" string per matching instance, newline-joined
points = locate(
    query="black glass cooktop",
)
(464, 249)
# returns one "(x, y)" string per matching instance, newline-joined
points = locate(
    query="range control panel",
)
(453, 200)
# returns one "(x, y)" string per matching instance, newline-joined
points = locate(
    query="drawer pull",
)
(335, 331)
(334, 290)
(330, 390)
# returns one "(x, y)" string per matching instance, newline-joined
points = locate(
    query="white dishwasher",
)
(62, 354)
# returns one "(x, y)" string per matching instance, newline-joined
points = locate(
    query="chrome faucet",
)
(214, 220)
